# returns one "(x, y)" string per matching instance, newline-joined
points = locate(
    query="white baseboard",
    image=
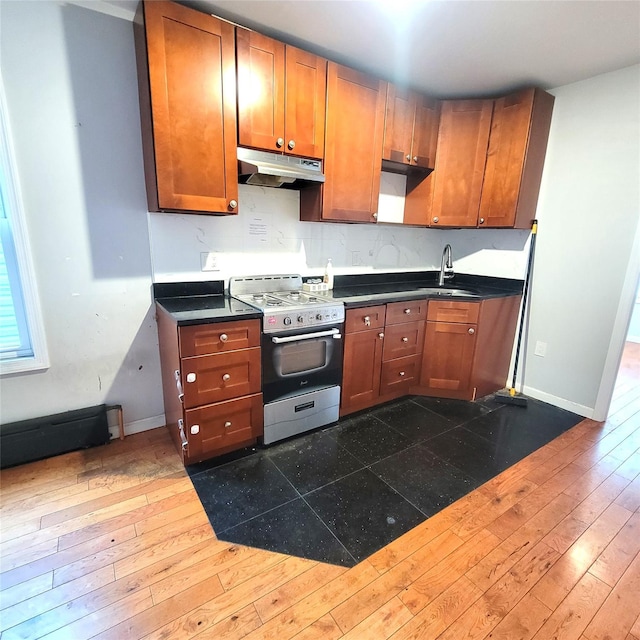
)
(574, 407)
(137, 426)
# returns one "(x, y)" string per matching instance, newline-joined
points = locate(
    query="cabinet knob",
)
(408, 157)
(367, 321)
(223, 337)
(415, 158)
(279, 143)
(472, 330)
(401, 374)
(191, 377)
(227, 424)
(226, 377)
(381, 335)
(407, 311)
(481, 221)
(233, 204)
(375, 216)
(292, 144)
(436, 219)
(195, 429)
(405, 339)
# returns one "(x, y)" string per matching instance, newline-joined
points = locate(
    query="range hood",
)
(264, 169)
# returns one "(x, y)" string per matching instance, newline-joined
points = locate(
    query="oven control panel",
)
(286, 320)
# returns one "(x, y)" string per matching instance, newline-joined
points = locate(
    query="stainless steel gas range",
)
(301, 353)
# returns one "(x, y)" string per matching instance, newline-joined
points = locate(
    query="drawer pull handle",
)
(191, 377)
(226, 377)
(367, 321)
(195, 429)
(227, 424)
(407, 311)
(401, 374)
(472, 330)
(223, 337)
(405, 339)
(381, 335)
(176, 373)
(183, 438)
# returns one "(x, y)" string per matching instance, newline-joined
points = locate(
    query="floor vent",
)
(29, 440)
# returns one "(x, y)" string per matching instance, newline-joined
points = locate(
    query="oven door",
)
(298, 361)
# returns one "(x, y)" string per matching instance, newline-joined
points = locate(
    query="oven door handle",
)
(308, 336)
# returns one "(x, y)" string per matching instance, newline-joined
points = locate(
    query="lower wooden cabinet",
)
(467, 347)
(211, 377)
(448, 349)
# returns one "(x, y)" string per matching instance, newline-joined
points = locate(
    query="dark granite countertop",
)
(201, 303)
(379, 288)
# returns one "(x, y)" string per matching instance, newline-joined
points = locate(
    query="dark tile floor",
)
(341, 493)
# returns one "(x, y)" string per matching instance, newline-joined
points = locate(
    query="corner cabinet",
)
(353, 149)
(467, 347)
(187, 88)
(281, 96)
(211, 380)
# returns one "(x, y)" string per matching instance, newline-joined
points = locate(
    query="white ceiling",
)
(453, 48)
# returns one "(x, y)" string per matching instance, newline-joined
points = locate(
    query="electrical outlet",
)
(541, 349)
(209, 262)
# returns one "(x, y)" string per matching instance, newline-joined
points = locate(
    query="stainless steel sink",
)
(449, 291)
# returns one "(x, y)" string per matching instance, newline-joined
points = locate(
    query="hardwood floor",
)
(112, 543)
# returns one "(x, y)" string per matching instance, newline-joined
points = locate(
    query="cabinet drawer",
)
(406, 311)
(365, 318)
(219, 337)
(453, 311)
(398, 375)
(218, 426)
(213, 378)
(402, 340)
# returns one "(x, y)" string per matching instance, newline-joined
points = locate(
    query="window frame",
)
(17, 222)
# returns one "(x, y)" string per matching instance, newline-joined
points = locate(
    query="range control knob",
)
(286, 321)
(300, 318)
(318, 316)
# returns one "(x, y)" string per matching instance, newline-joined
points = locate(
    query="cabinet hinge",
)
(183, 437)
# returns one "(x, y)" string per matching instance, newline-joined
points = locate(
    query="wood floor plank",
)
(24, 590)
(616, 617)
(325, 628)
(566, 573)
(234, 627)
(523, 621)
(629, 498)
(382, 623)
(616, 558)
(574, 613)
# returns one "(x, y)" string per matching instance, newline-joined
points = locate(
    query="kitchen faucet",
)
(446, 265)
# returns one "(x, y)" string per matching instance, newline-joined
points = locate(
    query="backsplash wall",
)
(268, 237)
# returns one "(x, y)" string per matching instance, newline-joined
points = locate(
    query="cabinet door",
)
(425, 132)
(261, 87)
(462, 147)
(305, 108)
(218, 337)
(448, 356)
(517, 147)
(398, 376)
(361, 370)
(402, 340)
(190, 147)
(353, 144)
(398, 124)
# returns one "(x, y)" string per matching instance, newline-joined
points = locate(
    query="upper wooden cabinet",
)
(411, 128)
(462, 150)
(353, 149)
(281, 96)
(187, 85)
(517, 146)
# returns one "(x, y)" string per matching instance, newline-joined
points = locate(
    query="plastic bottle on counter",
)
(328, 274)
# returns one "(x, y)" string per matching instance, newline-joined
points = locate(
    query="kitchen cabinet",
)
(382, 353)
(411, 128)
(515, 159)
(463, 138)
(353, 149)
(211, 375)
(281, 96)
(187, 89)
(467, 347)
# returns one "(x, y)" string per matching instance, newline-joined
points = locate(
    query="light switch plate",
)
(541, 349)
